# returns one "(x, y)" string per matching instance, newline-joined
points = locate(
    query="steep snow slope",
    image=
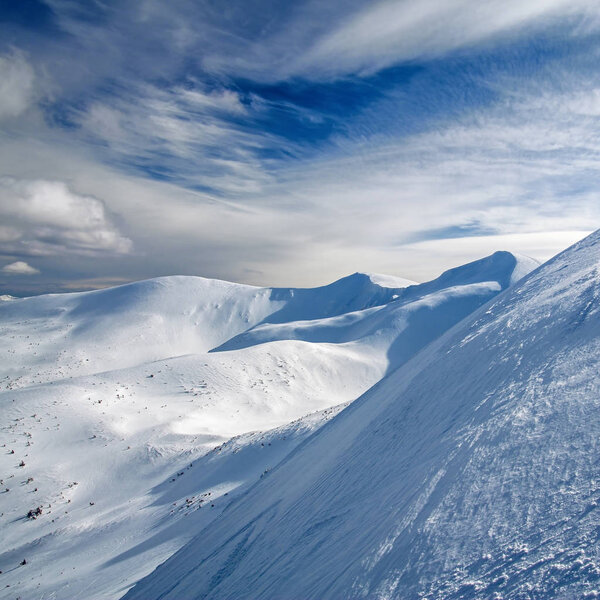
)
(125, 434)
(66, 335)
(470, 472)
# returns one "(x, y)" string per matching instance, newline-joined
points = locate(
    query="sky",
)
(290, 144)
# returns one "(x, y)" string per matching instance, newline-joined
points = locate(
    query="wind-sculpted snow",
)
(130, 437)
(470, 472)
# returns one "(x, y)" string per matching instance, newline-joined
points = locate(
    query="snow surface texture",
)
(470, 472)
(132, 437)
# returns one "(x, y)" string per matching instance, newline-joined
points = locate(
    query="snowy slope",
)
(470, 472)
(96, 389)
(395, 331)
(66, 335)
(124, 435)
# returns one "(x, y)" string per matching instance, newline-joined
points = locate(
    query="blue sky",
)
(290, 144)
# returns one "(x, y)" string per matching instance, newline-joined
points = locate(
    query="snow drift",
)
(470, 472)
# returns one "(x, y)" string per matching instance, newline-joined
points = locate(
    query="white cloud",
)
(393, 31)
(185, 134)
(17, 85)
(320, 40)
(19, 268)
(45, 218)
(315, 39)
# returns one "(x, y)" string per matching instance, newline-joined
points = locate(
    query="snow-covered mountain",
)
(469, 472)
(395, 331)
(81, 333)
(132, 416)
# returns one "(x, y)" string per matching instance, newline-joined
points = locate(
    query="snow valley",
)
(191, 438)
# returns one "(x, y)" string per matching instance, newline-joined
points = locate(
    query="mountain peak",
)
(504, 267)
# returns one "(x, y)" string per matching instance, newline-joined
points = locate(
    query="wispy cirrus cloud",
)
(388, 32)
(185, 134)
(323, 41)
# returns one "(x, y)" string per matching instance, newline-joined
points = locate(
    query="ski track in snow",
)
(134, 437)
